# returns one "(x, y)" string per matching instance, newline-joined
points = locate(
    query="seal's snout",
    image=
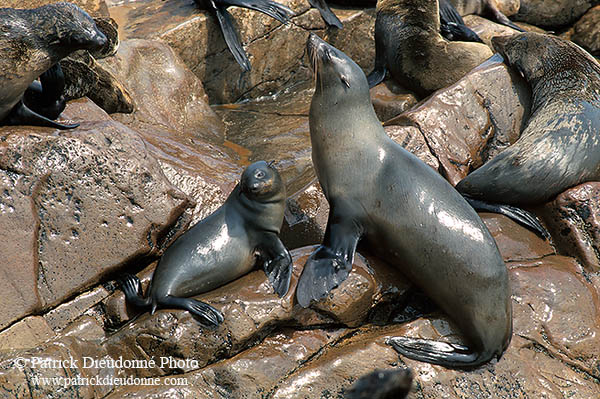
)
(97, 41)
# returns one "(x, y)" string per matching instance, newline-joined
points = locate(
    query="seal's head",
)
(261, 182)
(75, 29)
(537, 55)
(334, 71)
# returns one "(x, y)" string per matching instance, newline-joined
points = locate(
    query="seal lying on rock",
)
(409, 45)
(32, 41)
(405, 212)
(223, 247)
(232, 39)
(560, 145)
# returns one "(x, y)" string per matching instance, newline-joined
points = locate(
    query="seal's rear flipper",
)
(206, 313)
(456, 32)
(277, 263)
(448, 13)
(376, 76)
(132, 288)
(21, 115)
(331, 263)
(328, 16)
(231, 37)
(271, 8)
(519, 215)
(441, 353)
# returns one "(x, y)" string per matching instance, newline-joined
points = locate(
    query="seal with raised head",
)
(409, 45)
(405, 213)
(31, 42)
(222, 247)
(560, 145)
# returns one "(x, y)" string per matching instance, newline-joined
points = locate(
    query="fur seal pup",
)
(222, 247)
(409, 45)
(32, 41)
(405, 212)
(219, 8)
(559, 147)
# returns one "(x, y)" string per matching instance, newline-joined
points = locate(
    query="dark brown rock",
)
(471, 121)
(573, 223)
(96, 8)
(552, 13)
(390, 100)
(69, 200)
(305, 217)
(196, 37)
(586, 32)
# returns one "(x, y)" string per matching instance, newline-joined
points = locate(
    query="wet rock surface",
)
(67, 202)
(276, 51)
(60, 261)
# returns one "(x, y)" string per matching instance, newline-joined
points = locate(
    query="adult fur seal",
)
(405, 212)
(409, 45)
(223, 247)
(559, 146)
(219, 8)
(32, 41)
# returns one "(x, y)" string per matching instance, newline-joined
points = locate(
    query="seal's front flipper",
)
(331, 263)
(519, 215)
(231, 37)
(448, 13)
(441, 353)
(21, 115)
(271, 8)
(206, 313)
(46, 96)
(456, 32)
(328, 16)
(132, 288)
(277, 263)
(501, 18)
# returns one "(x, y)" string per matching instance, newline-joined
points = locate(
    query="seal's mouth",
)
(318, 50)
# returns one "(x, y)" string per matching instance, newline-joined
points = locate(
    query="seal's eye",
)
(345, 81)
(259, 174)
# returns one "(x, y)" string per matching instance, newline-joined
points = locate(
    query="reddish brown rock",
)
(471, 121)
(411, 138)
(69, 200)
(515, 241)
(276, 51)
(572, 219)
(251, 311)
(390, 100)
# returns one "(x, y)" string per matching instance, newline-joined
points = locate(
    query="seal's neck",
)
(264, 215)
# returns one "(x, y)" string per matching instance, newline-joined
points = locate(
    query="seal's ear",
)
(345, 81)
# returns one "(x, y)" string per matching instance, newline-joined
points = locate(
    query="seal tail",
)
(132, 288)
(231, 37)
(519, 215)
(328, 16)
(440, 353)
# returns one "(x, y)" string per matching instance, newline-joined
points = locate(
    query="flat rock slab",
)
(68, 199)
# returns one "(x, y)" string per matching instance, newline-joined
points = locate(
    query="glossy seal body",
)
(407, 214)
(409, 45)
(560, 145)
(222, 247)
(32, 41)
